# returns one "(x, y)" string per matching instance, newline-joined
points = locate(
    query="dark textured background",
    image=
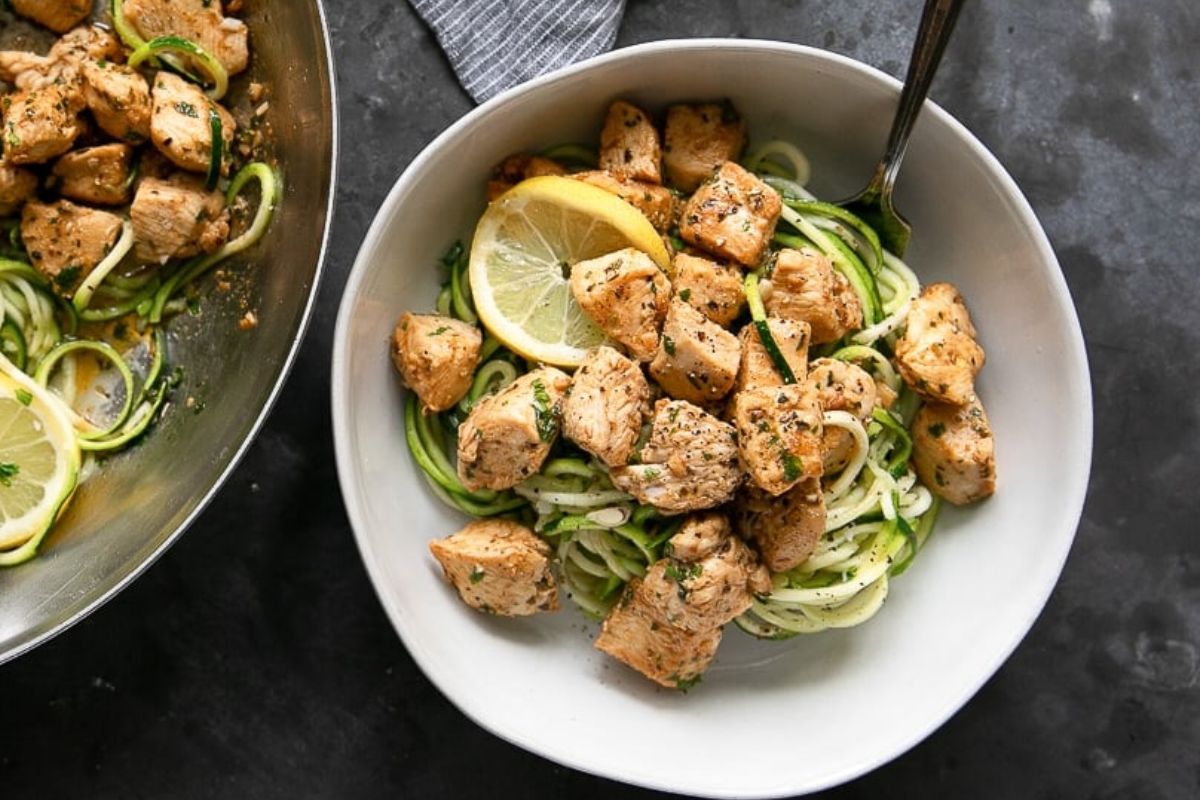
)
(253, 661)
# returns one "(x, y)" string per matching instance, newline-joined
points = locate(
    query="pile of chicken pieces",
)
(87, 139)
(730, 445)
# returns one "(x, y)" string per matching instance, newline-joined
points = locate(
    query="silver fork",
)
(874, 203)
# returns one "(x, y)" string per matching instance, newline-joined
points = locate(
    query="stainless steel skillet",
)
(141, 501)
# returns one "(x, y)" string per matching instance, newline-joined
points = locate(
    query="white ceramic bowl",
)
(770, 719)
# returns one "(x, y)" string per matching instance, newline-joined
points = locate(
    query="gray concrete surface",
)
(254, 662)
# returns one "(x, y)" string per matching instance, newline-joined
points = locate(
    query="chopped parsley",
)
(683, 684)
(24, 397)
(8, 471)
(680, 575)
(187, 109)
(793, 467)
(936, 430)
(685, 294)
(477, 574)
(669, 345)
(67, 277)
(547, 417)
(439, 330)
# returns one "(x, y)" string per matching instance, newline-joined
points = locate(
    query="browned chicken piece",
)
(98, 175)
(57, 15)
(688, 464)
(841, 386)
(699, 139)
(626, 295)
(180, 125)
(508, 435)
(953, 451)
(40, 124)
(65, 241)
(436, 356)
(177, 218)
(668, 624)
(608, 401)
(498, 566)
(708, 578)
(937, 355)
(629, 146)
(656, 203)
(779, 435)
(805, 286)
(87, 42)
(698, 536)
(733, 215)
(667, 655)
(785, 529)
(697, 359)
(61, 66)
(23, 69)
(712, 288)
(757, 369)
(17, 185)
(119, 99)
(518, 167)
(202, 21)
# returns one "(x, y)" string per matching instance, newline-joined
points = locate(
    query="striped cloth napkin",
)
(495, 44)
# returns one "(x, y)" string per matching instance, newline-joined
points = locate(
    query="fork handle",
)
(937, 23)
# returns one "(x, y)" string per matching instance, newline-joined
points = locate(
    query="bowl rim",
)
(1074, 489)
(268, 406)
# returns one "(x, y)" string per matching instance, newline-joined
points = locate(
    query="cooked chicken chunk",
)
(608, 401)
(57, 15)
(626, 295)
(670, 657)
(712, 288)
(17, 185)
(668, 624)
(841, 386)
(733, 215)
(688, 464)
(786, 528)
(498, 566)
(23, 69)
(65, 241)
(518, 167)
(707, 580)
(937, 355)
(180, 123)
(436, 357)
(698, 139)
(508, 435)
(177, 218)
(629, 146)
(656, 203)
(202, 21)
(806, 287)
(954, 452)
(40, 124)
(779, 435)
(757, 368)
(697, 359)
(98, 175)
(119, 99)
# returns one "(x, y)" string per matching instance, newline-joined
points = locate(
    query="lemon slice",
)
(525, 244)
(39, 463)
